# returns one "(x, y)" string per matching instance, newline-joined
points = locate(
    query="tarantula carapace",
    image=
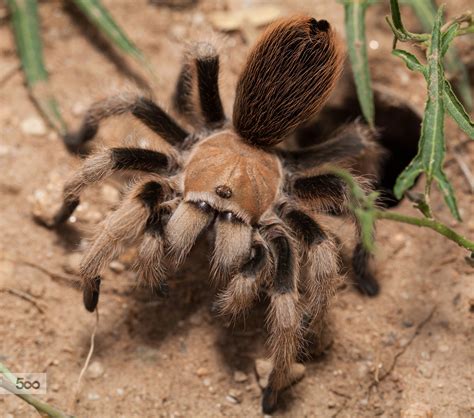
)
(260, 203)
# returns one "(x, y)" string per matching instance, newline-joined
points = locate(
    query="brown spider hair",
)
(262, 206)
(287, 79)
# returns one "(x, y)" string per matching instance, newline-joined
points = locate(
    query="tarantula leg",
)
(145, 110)
(199, 77)
(326, 192)
(99, 166)
(149, 262)
(188, 221)
(354, 145)
(365, 281)
(321, 280)
(284, 319)
(122, 226)
(232, 245)
(242, 289)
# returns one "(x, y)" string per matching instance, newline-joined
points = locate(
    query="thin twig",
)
(417, 332)
(86, 363)
(376, 381)
(24, 296)
(71, 281)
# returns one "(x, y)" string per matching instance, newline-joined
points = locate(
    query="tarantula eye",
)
(204, 206)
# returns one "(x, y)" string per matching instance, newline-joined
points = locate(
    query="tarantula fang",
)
(261, 203)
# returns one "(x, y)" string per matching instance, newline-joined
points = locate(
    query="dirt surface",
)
(408, 350)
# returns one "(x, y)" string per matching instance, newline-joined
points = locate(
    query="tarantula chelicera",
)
(260, 204)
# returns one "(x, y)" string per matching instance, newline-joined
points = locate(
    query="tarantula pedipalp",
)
(261, 203)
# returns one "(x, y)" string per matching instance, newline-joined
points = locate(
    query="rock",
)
(235, 394)
(240, 377)
(73, 262)
(78, 109)
(116, 266)
(33, 126)
(263, 369)
(256, 16)
(93, 396)
(202, 371)
(231, 400)
(110, 194)
(254, 390)
(426, 370)
(119, 391)
(417, 410)
(95, 370)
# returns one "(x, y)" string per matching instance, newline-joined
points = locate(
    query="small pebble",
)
(78, 109)
(417, 410)
(110, 194)
(73, 263)
(240, 377)
(231, 400)
(116, 266)
(93, 396)
(33, 126)
(202, 371)
(426, 370)
(95, 370)
(120, 391)
(207, 382)
(236, 394)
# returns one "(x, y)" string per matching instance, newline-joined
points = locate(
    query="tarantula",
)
(260, 203)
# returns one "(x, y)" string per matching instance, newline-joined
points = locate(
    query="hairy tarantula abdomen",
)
(287, 79)
(262, 206)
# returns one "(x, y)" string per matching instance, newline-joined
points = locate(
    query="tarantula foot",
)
(75, 144)
(367, 285)
(91, 295)
(269, 400)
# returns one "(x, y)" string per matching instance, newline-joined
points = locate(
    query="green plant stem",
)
(41, 407)
(427, 223)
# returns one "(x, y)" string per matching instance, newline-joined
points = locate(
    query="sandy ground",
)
(408, 350)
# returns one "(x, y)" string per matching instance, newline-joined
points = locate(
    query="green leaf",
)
(411, 61)
(432, 146)
(451, 102)
(101, 18)
(399, 30)
(426, 12)
(25, 23)
(357, 45)
(448, 37)
(396, 16)
(407, 178)
(457, 111)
